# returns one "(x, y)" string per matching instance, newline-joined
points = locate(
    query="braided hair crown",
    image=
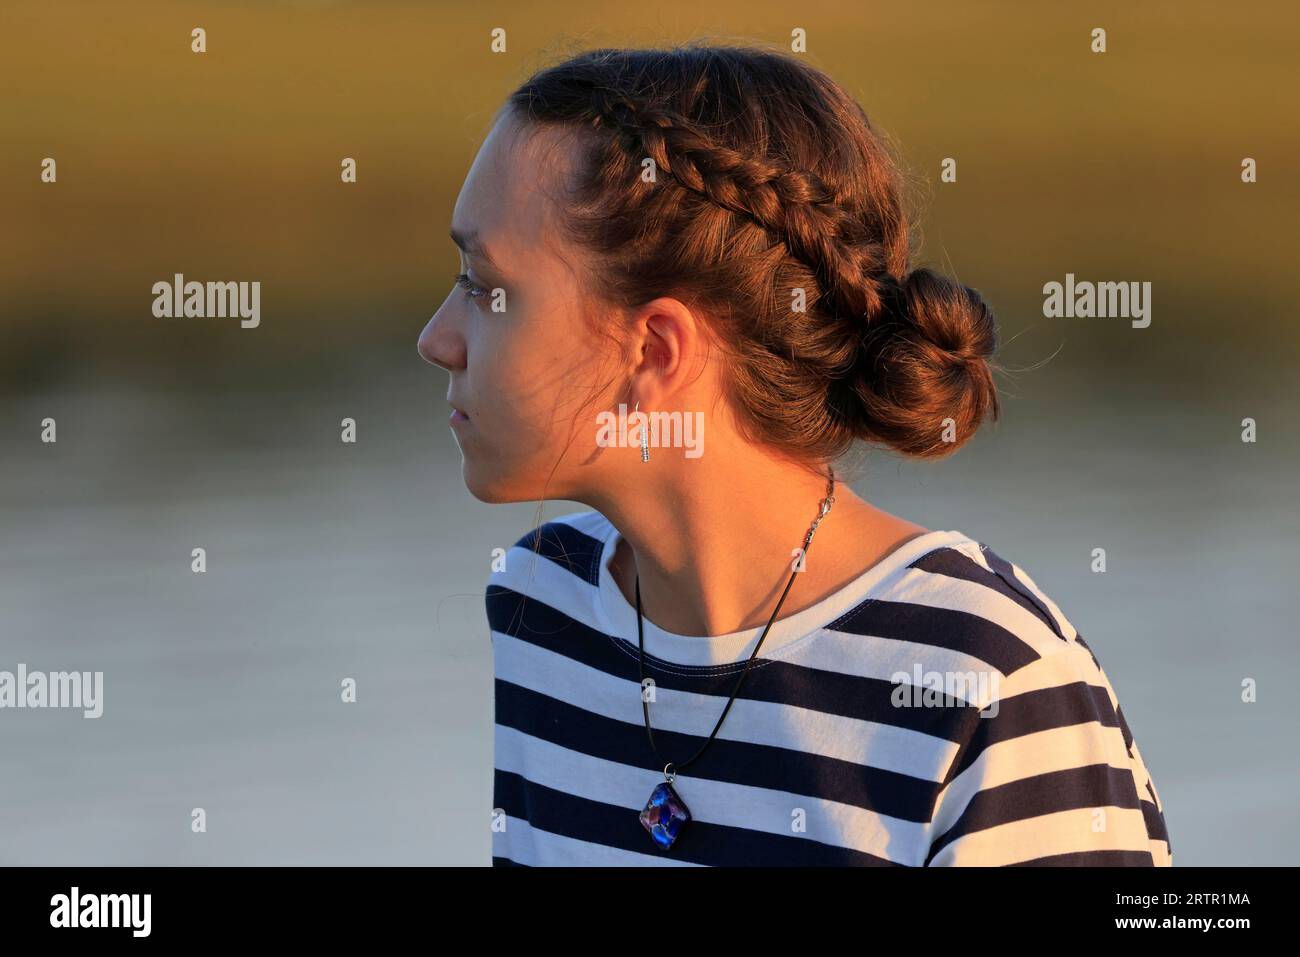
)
(749, 184)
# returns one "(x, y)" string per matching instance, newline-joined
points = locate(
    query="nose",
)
(441, 343)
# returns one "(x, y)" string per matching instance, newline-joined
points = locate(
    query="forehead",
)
(509, 194)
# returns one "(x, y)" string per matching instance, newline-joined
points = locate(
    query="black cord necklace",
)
(665, 814)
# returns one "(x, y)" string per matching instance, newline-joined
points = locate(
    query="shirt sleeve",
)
(1048, 774)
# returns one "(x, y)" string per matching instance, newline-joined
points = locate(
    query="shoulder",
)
(1045, 767)
(558, 558)
(981, 580)
(574, 542)
(985, 615)
(961, 606)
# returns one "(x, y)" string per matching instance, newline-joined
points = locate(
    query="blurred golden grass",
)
(225, 165)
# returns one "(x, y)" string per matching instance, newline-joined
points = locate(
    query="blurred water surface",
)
(328, 560)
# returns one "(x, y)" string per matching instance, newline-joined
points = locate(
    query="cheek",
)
(529, 387)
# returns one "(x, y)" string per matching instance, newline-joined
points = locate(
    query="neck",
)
(712, 541)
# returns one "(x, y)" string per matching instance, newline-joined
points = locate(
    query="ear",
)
(670, 342)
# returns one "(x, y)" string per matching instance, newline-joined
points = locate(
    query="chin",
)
(489, 485)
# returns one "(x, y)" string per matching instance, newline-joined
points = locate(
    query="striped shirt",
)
(937, 710)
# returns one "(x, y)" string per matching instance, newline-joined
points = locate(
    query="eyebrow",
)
(470, 243)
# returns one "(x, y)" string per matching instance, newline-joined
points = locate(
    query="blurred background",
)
(329, 560)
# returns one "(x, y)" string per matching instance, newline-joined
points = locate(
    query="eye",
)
(471, 290)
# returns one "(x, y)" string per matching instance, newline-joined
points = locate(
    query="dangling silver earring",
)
(645, 442)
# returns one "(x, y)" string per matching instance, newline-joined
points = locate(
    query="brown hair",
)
(769, 178)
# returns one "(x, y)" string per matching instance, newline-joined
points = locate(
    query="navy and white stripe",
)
(817, 763)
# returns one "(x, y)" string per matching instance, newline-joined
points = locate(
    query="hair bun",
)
(923, 383)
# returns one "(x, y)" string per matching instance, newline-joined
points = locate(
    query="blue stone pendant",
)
(665, 814)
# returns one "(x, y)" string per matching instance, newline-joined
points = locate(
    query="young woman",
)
(684, 295)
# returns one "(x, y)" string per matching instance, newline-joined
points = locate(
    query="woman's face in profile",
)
(522, 364)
